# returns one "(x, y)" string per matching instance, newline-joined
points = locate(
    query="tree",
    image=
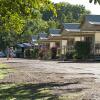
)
(82, 50)
(65, 13)
(95, 1)
(33, 27)
(19, 19)
(52, 24)
(72, 12)
(15, 17)
(14, 13)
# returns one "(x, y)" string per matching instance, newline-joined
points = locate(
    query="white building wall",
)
(79, 38)
(63, 46)
(97, 37)
(52, 44)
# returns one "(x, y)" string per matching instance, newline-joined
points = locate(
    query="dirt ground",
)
(77, 78)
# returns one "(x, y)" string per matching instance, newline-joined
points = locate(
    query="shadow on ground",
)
(42, 91)
(80, 61)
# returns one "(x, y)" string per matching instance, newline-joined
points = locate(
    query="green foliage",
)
(4, 70)
(24, 29)
(24, 92)
(95, 1)
(34, 53)
(20, 19)
(13, 23)
(82, 50)
(14, 13)
(52, 24)
(35, 26)
(27, 53)
(39, 91)
(7, 39)
(70, 13)
(31, 53)
(65, 13)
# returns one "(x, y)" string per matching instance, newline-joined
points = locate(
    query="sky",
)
(95, 9)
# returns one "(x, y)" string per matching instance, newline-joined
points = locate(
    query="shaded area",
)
(80, 61)
(42, 91)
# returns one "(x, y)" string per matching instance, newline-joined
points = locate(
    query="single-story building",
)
(65, 38)
(88, 30)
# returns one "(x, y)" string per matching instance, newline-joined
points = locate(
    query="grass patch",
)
(24, 92)
(34, 92)
(4, 70)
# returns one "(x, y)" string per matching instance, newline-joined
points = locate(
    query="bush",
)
(27, 53)
(69, 55)
(31, 53)
(53, 52)
(34, 53)
(82, 50)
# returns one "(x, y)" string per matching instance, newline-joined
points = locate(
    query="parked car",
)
(97, 58)
(2, 54)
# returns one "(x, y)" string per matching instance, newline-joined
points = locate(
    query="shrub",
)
(34, 53)
(82, 50)
(53, 52)
(27, 53)
(69, 55)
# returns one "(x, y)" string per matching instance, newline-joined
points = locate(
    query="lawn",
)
(24, 92)
(4, 70)
(34, 92)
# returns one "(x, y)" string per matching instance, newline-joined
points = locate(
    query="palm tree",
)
(95, 1)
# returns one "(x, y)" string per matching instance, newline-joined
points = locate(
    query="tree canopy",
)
(95, 1)
(66, 13)
(14, 13)
(20, 19)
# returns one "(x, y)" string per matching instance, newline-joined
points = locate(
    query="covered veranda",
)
(70, 38)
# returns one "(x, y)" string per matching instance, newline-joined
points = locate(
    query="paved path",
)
(78, 75)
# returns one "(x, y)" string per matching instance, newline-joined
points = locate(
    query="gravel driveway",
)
(84, 77)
